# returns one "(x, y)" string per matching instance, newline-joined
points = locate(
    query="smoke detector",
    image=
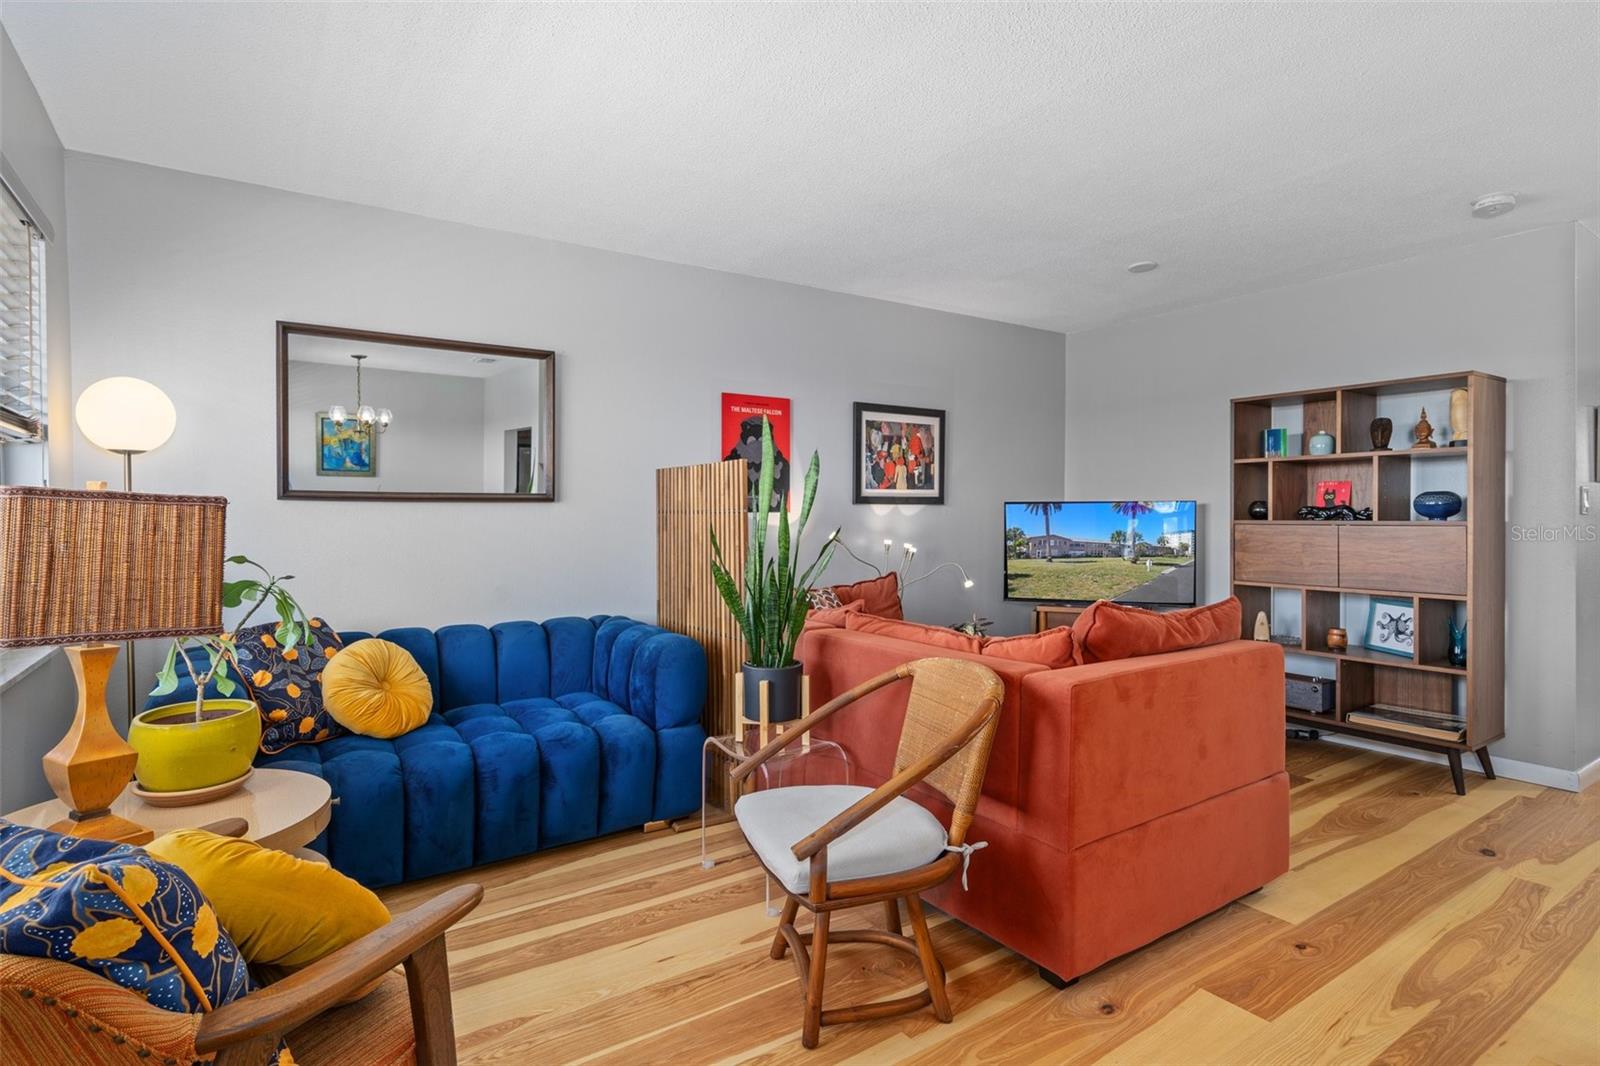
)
(1143, 266)
(1494, 205)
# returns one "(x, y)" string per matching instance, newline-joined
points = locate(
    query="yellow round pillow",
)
(280, 910)
(375, 688)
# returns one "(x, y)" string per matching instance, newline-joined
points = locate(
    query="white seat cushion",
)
(900, 836)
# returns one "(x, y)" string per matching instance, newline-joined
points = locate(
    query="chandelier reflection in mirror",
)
(365, 415)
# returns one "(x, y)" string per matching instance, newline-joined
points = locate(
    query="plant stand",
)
(763, 719)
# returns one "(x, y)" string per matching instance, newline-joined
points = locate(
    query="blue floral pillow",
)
(286, 684)
(117, 911)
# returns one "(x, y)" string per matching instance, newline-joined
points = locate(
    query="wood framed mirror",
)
(364, 415)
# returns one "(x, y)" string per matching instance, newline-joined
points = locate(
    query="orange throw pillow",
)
(933, 636)
(1052, 648)
(1108, 631)
(833, 617)
(880, 594)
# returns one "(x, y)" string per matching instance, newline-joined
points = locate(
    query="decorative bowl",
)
(1437, 505)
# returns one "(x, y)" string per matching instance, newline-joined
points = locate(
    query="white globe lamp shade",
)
(125, 415)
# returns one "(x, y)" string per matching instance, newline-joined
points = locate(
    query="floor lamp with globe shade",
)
(127, 417)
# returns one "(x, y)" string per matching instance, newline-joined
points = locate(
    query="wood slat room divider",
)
(691, 501)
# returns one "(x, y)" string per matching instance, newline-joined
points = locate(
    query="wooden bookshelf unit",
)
(1311, 575)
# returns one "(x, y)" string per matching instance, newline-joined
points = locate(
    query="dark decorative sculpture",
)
(1257, 509)
(1342, 513)
(1382, 430)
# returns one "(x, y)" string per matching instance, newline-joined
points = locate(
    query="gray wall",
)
(179, 278)
(1147, 416)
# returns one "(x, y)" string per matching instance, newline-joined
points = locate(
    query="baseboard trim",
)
(1515, 769)
(1589, 775)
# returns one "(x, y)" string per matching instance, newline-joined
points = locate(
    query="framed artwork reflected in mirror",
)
(386, 416)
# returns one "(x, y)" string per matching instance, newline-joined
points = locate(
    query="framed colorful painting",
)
(347, 450)
(741, 439)
(900, 454)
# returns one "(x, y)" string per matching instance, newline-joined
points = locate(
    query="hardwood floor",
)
(1416, 926)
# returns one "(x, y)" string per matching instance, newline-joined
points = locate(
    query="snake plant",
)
(772, 608)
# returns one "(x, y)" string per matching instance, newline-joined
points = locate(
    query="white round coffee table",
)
(285, 809)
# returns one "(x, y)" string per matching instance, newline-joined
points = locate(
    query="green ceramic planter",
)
(177, 754)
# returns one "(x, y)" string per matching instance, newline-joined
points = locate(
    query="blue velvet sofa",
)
(541, 734)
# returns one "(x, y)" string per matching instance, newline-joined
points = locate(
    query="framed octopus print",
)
(900, 454)
(1392, 626)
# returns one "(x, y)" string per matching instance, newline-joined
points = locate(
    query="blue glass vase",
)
(1458, 644)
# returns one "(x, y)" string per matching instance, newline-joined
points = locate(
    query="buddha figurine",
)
(1423, 432)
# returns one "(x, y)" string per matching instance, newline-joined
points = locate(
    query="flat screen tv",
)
(1140, 552)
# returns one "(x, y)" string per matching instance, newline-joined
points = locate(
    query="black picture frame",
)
(862, 456)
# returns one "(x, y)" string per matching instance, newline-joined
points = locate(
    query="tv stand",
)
(1049, 615)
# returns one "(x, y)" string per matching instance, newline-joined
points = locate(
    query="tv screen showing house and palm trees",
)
(1132, 551)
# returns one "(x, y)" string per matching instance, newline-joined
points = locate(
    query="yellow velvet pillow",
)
(375, 688)
(280, 910)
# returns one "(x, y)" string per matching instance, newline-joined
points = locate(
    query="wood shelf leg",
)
(1483, 761)
(1456, 774)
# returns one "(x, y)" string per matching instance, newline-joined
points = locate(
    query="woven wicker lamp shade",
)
(86, 568)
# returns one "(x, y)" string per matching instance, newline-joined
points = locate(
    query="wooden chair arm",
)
(227, 827)
(270, 1012)
(804, 725)
(878, 798)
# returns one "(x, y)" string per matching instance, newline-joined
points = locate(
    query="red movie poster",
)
(741, 439)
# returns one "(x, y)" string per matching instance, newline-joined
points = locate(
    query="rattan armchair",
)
(350, 1007)
(885, 847)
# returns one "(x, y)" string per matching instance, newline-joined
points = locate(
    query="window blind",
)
(23, 403)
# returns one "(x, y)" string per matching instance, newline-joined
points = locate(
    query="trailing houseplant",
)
(186, 746)
(771, 608)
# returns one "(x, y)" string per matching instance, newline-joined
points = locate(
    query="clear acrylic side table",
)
(739, 747)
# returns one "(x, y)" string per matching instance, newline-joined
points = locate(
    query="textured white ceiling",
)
(1006, 161)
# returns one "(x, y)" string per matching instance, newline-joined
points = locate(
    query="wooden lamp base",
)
(93, 764)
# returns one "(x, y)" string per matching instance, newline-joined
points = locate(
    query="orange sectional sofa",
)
(1124, 799)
